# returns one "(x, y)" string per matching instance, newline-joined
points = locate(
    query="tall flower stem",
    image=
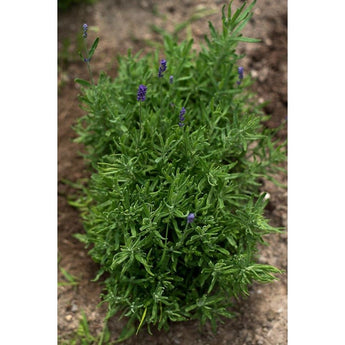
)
(141, 96)
(161, 70)
(88, 64)
(140, 112)
(87, 60)
(161, 106)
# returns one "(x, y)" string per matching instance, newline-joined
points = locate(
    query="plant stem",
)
(140, 113)
(166, 243)
(160, 110)
(88, 63)
(103, 331)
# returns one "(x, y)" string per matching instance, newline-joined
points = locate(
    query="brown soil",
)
(125, 24)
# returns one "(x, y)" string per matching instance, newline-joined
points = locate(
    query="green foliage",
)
(150, 174)
(83, 335)
(71, 280)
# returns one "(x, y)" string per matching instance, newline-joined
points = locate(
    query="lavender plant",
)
(173, 211)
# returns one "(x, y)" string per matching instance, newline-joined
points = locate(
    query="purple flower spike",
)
(141, 93)
(162, 68)
(171, 79)
(85, 27)
(240, 72)
(190, 218)
(182, 112)
(240, 75)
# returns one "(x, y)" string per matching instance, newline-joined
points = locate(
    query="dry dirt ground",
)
(126, 24)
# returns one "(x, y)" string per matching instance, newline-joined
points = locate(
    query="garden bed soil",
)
(262, 317)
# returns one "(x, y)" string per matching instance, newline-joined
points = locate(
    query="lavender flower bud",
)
(240, 75)
(190, 218)
(171, 79)
(85, 27)
(181, 118)
(162, 68)
(141, 93)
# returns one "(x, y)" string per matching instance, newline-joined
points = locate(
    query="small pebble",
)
(68, 318)
(74, 308)
(254, 73)
(270, 315)
(267, 196)
(268, 42)
(263, 74)
(262, 259)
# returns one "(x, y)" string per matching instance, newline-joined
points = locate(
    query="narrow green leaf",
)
(142, 320)
(245, 39)
(71, 278)
(81, 237)
(231, 240)
(187, 77)
(82, 82)
(145, 264)
(99, 274)
(223, 251)
(93, 48)
(236, 14)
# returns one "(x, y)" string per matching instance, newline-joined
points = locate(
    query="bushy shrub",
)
(173, 212)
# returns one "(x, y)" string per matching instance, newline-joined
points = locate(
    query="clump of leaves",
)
(173, 212)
